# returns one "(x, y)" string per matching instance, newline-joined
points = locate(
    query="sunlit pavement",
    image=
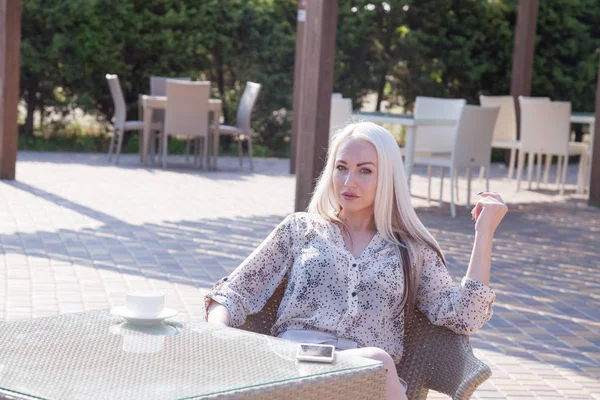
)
(77, 233)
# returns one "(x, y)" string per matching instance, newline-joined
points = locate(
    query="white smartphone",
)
(315, 352)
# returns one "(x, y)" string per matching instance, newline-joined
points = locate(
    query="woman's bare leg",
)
(393, 388)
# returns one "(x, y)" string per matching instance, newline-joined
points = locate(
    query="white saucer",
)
(126, 314)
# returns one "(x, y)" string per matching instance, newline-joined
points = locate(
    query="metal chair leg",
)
(442, 185)
(250, 152)
(119, 146)
(452, 206)
(429, 170)
(111, 145)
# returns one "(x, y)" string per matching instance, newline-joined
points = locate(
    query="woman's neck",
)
(359, 222)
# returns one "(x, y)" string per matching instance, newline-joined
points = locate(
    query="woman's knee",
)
(375, 353)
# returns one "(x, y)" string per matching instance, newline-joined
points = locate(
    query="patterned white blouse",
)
(355, 298)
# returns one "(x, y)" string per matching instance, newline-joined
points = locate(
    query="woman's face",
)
(355, 175)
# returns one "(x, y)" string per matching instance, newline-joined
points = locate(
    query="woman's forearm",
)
(487, 213)
(217, 313)
(481, 258)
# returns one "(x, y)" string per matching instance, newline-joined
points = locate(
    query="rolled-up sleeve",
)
(246, 290)
(463, 308)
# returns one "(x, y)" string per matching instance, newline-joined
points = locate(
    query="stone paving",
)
(77, 233)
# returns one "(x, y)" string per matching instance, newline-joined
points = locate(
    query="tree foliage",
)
(397, 49)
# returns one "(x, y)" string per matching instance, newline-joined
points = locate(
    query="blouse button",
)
(354, 265)
(353, 294)
(224, 279)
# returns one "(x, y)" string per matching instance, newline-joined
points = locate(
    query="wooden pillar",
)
(523, 53)
(300, 22)
(594, 199)
(10, 48)
(317, 64)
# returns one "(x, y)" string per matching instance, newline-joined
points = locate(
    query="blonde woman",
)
(358, 258)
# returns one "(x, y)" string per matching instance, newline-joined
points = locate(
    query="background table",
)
(94, 355)
(411, 125)
(585, 119)
(150, 103)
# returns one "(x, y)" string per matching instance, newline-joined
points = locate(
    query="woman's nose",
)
(350, 180)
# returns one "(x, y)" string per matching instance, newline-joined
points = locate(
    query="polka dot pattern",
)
(330, 290)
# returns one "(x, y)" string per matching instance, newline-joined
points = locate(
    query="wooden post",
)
(300, 22)
(594, 199)
(315, 96)
(10, 48)
(522, 66)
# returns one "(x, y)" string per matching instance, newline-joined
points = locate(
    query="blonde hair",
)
(395, 218)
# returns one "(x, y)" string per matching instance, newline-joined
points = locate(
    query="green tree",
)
(455, 48)
(40, 70)
(566, 64)
(398, 49)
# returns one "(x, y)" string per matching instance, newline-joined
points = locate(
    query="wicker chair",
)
(434, 357)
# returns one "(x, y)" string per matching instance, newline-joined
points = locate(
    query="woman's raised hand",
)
(488, 212)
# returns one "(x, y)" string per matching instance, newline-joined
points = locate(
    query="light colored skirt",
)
(318, 337)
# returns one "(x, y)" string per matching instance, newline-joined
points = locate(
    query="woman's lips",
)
(349, 196)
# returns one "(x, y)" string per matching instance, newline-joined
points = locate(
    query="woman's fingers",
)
(475, 211)
(490, 200)
(492, 195)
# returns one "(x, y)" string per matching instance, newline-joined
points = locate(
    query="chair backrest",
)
(118, 100)
(158, 87)
(436, 139)
(244, 111)
(158, 84)
(473, 140)
(434, 357)
(341, 112)
(545, 127)
(186, 112)
(506, 124)
(534, 99)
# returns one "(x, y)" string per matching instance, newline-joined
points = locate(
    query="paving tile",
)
(76, 234)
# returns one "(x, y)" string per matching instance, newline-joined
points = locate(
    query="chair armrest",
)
(439, 359)
(263, 321)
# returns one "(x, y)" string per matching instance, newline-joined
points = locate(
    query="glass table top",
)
(96, 354)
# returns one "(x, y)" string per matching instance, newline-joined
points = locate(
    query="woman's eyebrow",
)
(359, 164)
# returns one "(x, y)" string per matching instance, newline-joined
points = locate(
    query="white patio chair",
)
(539, 156)
(545, 129)
(505, 132)
(243, 128)
(158, 87)
(536, 99)
(341, 112)
(186, 114)
(436, 140)
(120, 124)
(472, 147)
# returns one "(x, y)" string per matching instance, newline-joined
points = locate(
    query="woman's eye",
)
(340, 168)
(365, 171)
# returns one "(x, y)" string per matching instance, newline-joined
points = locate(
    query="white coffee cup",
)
(145, 303)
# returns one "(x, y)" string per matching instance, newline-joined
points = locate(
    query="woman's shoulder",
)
(305, 220)
(430, 257)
